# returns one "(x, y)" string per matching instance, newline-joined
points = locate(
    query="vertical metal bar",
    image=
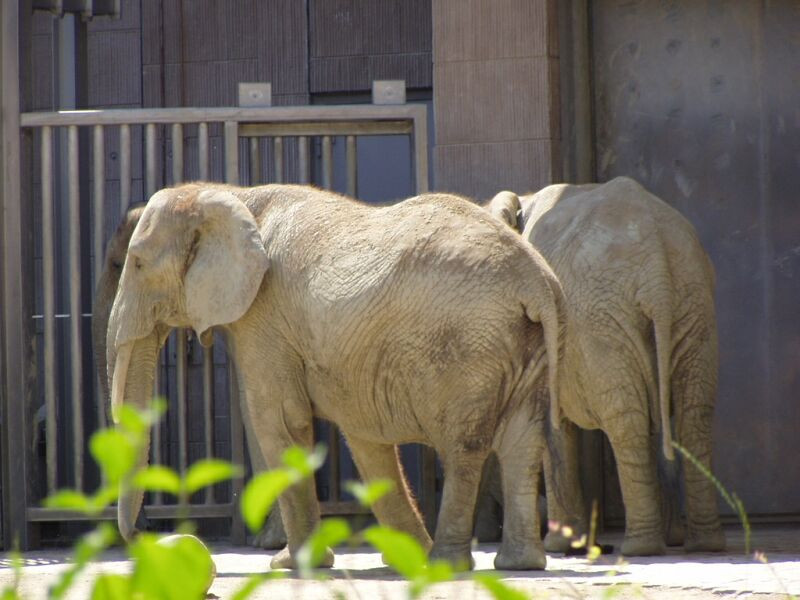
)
(177, 153)
(75, 303)
(202, 149)
(208, 411)
(150, 158)
(427, 498)
(255, 161)
(277, 151)
(98, 150)
(150, 183)
(48, 293)
(420, 149)
(232, 152)
(335, 469)
(124, 168)
(231, 134)
(327, 163)
(304, 174)
(352, 166)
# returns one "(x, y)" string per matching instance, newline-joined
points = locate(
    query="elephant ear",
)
(506, 206)
(226, 262)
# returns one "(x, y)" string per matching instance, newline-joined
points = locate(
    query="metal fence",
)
(83, 170)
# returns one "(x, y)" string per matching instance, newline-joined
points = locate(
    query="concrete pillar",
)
(496, 95)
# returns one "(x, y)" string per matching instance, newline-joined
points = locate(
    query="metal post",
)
(48, 293)
(304, 175)
(99, 175)
(75, 311)
(327, 163)
(352, 166)
(420, 160)
(124, 169)
(277, 152)
(237, 428)
(255, 161)
(15, 312)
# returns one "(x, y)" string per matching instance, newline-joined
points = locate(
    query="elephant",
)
(640, 347)
(272, 536)
(410, 323)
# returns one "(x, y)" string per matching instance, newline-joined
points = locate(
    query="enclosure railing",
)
(58, 141)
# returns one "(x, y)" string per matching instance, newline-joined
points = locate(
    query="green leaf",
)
(114, 452)
(157, 478)
(111, 587)
(89, 546)
(329, 534)
(208, 472)
(368, 494)
(303, 462)
(261, 493)
(400, 551)
(172, 568)
(70, 500)
(498, 589)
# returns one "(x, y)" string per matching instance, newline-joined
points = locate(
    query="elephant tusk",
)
(119, 379)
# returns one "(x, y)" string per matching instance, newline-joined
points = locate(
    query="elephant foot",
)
(675, 533)
(705, 540)
(556, 543)
(520, 558)
(269, 538)
(458, 555)
(285, 560)
(643, 545)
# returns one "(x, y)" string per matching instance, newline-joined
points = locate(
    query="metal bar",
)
(420, 149)
(255, 161)
(320, 128)
(153, 511)
(307, 113)
(76, 346)
(124, 168)
(150, 159)
(232, 152)
(304, 173)
(352, 166)
(177, 153)
(208, 410)
(327, 163)
(48, 293)
(335, 469)
(277, 150)
(202, 149)
(99, 174)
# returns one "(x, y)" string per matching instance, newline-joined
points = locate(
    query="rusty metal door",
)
(700, 102)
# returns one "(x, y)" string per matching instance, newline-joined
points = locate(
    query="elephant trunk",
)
(132, 383)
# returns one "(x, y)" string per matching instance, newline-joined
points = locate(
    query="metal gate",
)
(81, 170)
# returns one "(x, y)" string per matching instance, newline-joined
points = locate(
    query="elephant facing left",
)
(272, 536)
(427, 321)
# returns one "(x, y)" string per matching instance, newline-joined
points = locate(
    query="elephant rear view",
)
(427, 321)
(641, 344)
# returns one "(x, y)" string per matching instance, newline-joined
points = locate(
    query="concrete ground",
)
(360, 574)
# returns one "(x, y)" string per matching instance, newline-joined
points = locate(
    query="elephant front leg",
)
(636, 467)
(271, 428)
(565, 503)
(462, 473)
(396, 509)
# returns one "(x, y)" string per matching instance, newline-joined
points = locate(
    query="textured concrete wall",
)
(495, 72)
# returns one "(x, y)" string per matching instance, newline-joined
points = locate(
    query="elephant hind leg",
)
(629, 435)
(397, 508)
(520, 454)
(693, 419)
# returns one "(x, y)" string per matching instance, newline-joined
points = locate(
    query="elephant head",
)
(195, 259)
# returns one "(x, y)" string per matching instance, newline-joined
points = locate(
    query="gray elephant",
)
(641, 346)
(272, 536)
(407, 323)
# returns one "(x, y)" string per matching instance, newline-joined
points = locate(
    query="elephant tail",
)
(550, 311)
(662, 328)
